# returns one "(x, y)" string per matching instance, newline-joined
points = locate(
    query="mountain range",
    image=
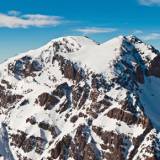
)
(76, 99)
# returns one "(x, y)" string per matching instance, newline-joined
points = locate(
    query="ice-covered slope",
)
(76, 99)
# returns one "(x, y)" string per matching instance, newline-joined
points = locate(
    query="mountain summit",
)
(75, 99)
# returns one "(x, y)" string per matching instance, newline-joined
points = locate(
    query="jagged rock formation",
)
(74, 99)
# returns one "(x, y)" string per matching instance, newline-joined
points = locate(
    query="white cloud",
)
(14, 13)
(138, 32)
(95, 30)
(15, 19)
(152, 36)
(149, 2)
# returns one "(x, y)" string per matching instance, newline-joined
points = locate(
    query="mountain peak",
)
(82, 40)
(84, 51)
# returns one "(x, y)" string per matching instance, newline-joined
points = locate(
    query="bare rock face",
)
(47, 100)
(60, 149)
(139, 75)
(9, 86)
(77, 148)
(25, 67)
(74, 119)
(54, 130)
(60, 91)
(122, 116)
(111, 139)
(7, 99)
(152, 158)
(31, 120)
(69, 69)
(27, 144)
(154, 68)
(84, 96)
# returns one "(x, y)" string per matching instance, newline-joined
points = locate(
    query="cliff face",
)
(76, 99)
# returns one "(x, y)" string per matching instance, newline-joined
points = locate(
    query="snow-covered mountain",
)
(75, 99)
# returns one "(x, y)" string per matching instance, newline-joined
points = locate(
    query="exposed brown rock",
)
(94, 95)
(151, 158)
(31, 120)
(74, 119)
(128, 106)
(84, 96)
(54, 130)
(44, 125)
(69, 69)
(92, 113)
(7, 98)
(154, 68)
(25, 67)
(102, 105)
(111, 139)
(2, 88)
(40, 145)
(56, 151)
(82, 115)
(138, 140)
(122, 116)
(27, 144)
(18, 139)
(76, 95)
(25, 102)
(6, 83)
(60, 90)
(60, 149)
(89, 153)
(139, 75)
(47, 100)
(64, 106)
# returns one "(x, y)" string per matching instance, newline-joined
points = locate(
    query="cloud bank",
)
(149, 2)
(14, 19)
(138, 32)
(152, 36)
(95, 30)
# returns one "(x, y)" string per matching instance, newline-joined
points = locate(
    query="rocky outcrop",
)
(112, 142)
(54, 130)
(27, 144)
(47, 100)
(31, 120)
(77, 148)
(74, 119)
(154, 68)
(122, 116)
(25, 67)
(69, 69)
(61, 149)
(7, 99)
(9, 86)
(139, 75)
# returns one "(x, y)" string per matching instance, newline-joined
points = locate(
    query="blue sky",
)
(28, 24)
